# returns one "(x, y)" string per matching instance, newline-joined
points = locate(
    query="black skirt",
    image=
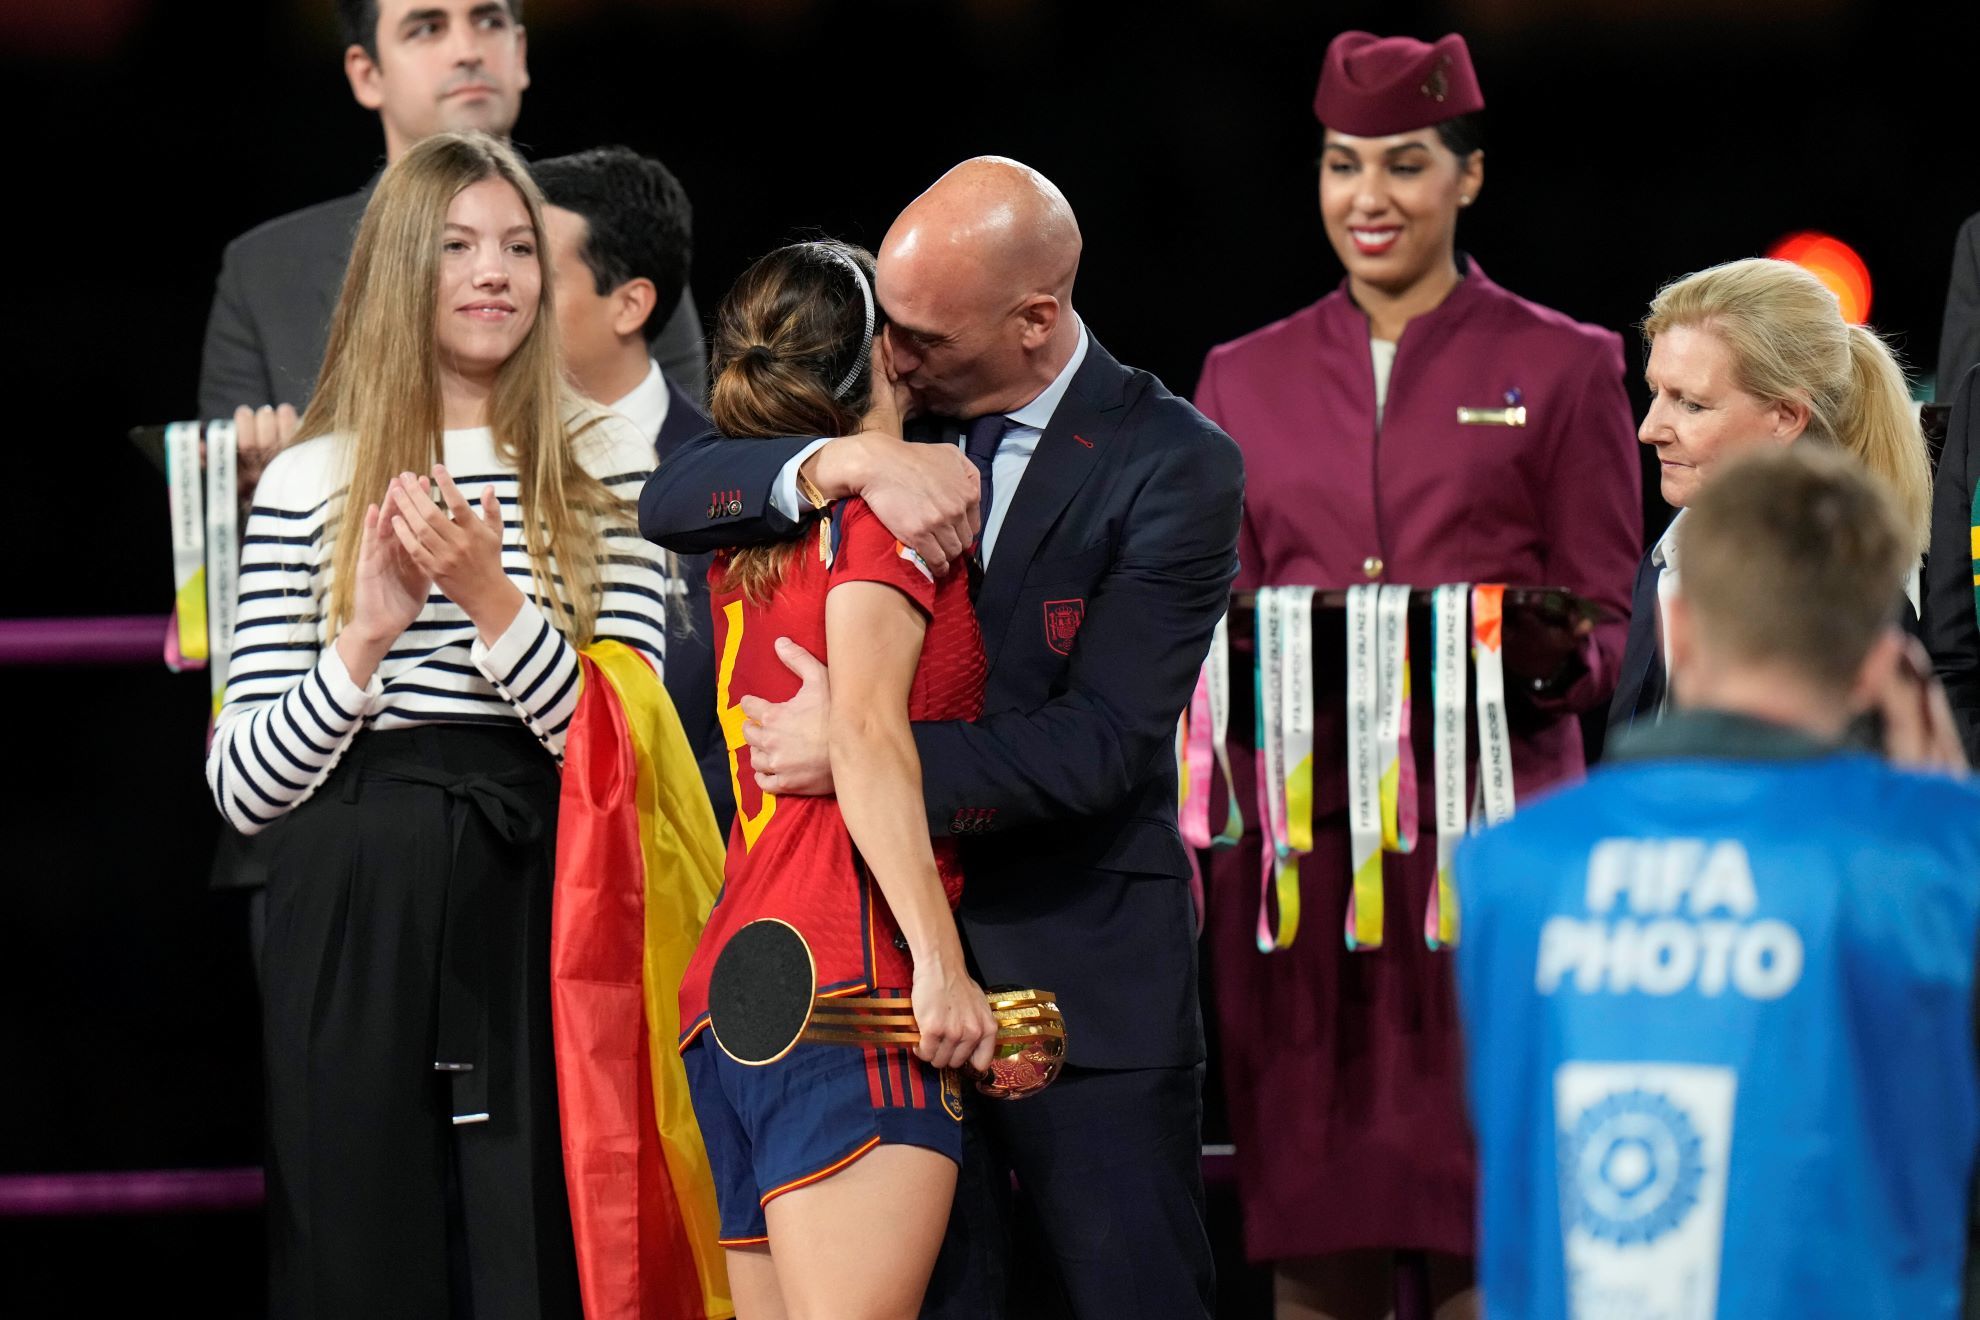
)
(414, 1160)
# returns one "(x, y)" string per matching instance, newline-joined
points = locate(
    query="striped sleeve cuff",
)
(536, 671)
(268, 757)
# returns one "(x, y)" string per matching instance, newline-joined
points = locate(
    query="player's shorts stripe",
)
(825, 1172)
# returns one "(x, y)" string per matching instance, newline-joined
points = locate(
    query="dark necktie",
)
(980, 443)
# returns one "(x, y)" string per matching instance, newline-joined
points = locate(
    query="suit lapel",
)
(1642, 651)
(1082, 427)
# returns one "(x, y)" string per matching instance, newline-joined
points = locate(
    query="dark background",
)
(1628, 144)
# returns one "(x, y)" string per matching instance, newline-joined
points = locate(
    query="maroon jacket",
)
(1332, 501)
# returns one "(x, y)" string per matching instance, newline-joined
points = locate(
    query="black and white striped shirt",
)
(291, 707)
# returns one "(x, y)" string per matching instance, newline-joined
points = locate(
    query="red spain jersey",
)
(791, 857)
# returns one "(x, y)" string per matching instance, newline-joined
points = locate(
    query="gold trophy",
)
(763, 1001)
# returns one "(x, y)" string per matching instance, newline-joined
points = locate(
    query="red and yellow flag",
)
(639, 863)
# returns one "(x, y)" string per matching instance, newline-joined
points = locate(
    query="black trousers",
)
(1108, 1221)
(408, 931)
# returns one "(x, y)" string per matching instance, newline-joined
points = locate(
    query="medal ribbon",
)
(1495, 772)
(223, 551)
(1205, 738)
(1447, 695)
(1364, 756)
(185, 640)
(1285, 754)
(1398, 782)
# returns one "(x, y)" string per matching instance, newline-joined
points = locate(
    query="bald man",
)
(1108, 541)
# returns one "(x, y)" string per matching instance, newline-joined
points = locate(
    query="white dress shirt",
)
(646, 406)
(1007, 469)
(1665, 558)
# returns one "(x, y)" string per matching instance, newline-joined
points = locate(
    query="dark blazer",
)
(278, 286)
(1640, 685)
(1959, 334)
(1113, 564)
(1949, 624)
(690, 668)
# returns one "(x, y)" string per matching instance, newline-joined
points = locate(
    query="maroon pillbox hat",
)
(1374, 86)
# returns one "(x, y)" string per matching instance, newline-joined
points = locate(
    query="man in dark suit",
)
(1959, 333)
(1109, 534)
(1949, 625)
(619, 244)
(1641, 682)
(424, 66)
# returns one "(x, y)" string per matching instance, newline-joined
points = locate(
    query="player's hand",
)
(957, 1027)
(788, 744)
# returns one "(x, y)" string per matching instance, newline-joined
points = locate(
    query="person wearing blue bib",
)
(1719, 999)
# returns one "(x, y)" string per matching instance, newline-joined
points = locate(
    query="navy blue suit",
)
(690, 668)
(1112, 566)
(1640, 686)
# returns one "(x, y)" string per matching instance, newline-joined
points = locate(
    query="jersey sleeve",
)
(868, 552)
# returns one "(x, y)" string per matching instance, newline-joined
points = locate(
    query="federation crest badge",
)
(1062, 620)
(952, 1094)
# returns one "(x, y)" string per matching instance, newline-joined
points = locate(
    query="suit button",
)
(1371, 567)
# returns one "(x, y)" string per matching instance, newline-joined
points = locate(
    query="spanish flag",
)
(639, 862)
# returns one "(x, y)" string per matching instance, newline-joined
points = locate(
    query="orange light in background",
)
(1833, 262)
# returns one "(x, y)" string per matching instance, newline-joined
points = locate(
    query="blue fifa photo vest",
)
(1720, 1042)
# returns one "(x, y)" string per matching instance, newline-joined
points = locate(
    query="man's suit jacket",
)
(1640, 685)
(278, 286)
(1948, 624)
(690, 668)
(1959, 333)
(1112, 566)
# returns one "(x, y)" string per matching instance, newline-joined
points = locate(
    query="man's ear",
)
(1040, 314)
(632, 303)
(522, 59)
(363, 73)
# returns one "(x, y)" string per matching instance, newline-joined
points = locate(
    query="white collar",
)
(1665, 554)
(1038, 413)
(646, 406)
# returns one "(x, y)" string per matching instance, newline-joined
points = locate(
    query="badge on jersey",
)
(1062, 620)
(1644, 1152)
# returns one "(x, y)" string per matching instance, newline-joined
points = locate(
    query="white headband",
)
(838, 254)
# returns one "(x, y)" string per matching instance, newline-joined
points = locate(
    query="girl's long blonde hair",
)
(1788, 341)
(380, 387)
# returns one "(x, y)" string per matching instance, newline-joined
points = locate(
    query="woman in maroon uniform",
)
(1359, 420)
(835, 1166)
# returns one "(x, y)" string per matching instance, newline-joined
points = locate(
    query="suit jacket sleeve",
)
(1146, 630)
(1951, 632)
(233, 369)
(1594, 502)
(679, 349)
(1959, 335)
(715, 493)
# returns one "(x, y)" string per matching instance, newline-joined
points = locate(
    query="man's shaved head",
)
(977, 277)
